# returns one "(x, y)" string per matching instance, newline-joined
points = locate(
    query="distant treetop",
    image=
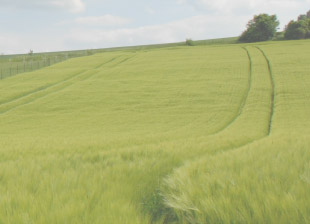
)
(262, 27)
(299, 29)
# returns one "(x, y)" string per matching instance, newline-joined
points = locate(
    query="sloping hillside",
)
(204, 134)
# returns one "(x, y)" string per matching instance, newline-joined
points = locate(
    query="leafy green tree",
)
(302, 17)
(296, 30)
(299, 29)
(261, 28)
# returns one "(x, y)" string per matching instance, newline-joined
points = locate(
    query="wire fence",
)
(11, 65)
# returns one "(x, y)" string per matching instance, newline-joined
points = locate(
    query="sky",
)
(57, 25)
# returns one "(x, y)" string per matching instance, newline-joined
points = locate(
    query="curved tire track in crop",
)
(245, 97)
(272, 106)
(170, 211)
(240, 109)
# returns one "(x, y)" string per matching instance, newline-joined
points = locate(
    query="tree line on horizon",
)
(264, 27)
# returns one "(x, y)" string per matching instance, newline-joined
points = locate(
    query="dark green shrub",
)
(279, 36)
(189, 42)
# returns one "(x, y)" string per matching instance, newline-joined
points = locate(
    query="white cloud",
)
(74, 6)
(217, 19)
(286, 10)
(229, 6)
(150, 10)
(12, 43)
(181, 2)
(7, 42)
(198, 27)
(106, 20)
(257, 5)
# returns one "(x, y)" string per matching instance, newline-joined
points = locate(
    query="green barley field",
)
(192, 135)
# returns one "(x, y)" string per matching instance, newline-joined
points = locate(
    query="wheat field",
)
(203, 134)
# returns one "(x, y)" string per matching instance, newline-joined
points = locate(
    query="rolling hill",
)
(205, 134)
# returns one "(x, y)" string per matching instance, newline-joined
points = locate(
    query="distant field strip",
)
(113, 59)
(42, 88)
(41, 92)
(50, 89)
(16, 103)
